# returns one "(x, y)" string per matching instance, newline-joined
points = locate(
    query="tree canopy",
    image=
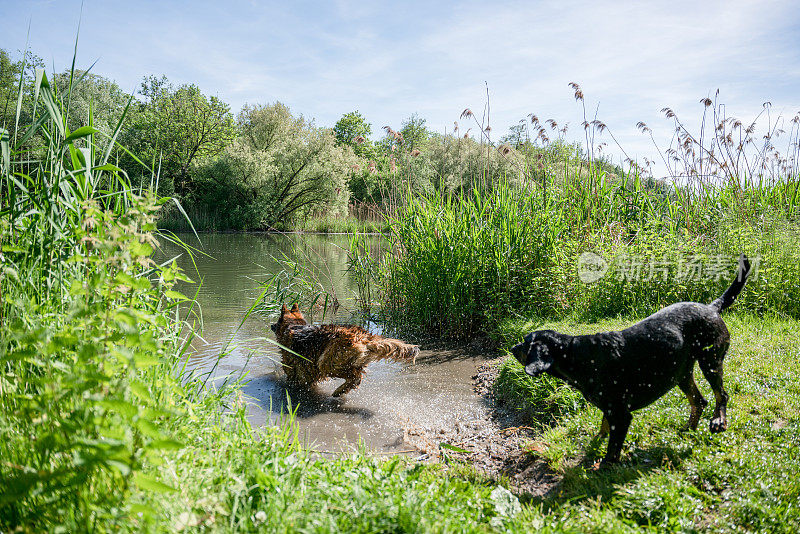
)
(175, 127)
(353, 130)
(281, 167)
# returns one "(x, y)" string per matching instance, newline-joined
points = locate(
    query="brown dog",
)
(318, 352)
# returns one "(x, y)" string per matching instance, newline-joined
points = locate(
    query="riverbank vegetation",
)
(459, 263)
(104, 429)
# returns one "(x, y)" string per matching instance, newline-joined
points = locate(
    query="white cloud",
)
(324, 59)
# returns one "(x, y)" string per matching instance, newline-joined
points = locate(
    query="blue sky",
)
(390, 60)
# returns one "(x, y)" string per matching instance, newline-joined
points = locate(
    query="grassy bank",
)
(460, 265)
(740, 480)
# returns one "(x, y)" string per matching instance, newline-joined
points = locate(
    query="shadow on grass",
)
(585, 481)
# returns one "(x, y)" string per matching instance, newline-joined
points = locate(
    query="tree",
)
(105, 99)
(517, 135)
(10, 73)
(415, 133)
(353, 130)
(280, 168)
(175, 127)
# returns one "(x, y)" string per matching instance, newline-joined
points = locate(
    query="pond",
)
(434, 394)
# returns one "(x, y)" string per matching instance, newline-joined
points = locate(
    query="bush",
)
(280, 170)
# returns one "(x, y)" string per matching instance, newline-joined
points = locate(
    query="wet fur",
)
(627, 370)
(332, 351)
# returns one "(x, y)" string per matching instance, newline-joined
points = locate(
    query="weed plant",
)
(459, 263)
(88, 350)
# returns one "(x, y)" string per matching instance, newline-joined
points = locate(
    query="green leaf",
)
(140, 390)
(124, 408)
(138, 248)
(148, 483)
(123, 468)
(175, 295)
(165, 444)
(83, 131)
(141, 509)
(145, 360)
(452, 447)
(149, 429)
(107, 167)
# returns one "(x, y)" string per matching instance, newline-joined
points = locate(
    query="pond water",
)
(434, 394)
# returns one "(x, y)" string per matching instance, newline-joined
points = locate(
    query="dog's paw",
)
(718, 424)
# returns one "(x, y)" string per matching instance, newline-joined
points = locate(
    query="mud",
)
(497, 443)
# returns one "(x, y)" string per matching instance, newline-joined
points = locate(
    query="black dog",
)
(627, 370)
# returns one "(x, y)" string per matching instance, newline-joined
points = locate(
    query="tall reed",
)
(89, 347)
(461, 261)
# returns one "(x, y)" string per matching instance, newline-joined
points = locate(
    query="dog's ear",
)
(539, 359)
(284, 309)
(295, 307)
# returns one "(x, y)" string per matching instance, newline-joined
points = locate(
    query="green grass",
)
(232, 478)
(458, 265)
(101, 428)
(742, 479)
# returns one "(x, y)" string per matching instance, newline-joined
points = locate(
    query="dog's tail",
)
(733, 291)
(383, 347)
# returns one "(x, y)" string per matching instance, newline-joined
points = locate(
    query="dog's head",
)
(288, 317)
(539, 350)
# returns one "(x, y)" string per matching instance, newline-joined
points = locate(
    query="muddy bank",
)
(441, 409)
(436, 393)
(496, 442)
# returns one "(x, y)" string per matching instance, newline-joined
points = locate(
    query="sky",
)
(391, 59)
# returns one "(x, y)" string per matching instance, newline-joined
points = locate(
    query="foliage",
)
(414, 132)
(176, 127)
(462, 262)
(93, 402)
(353, 130)
(87, 349)
(93, 100)
(280, 170)
(17, 89)
(458, 263)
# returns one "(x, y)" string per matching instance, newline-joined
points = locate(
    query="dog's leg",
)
(713, 374)
(288, 366)
(350, 383)
(618, 423)
(696, 400)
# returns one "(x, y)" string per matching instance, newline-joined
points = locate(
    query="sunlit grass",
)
(740, 479)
